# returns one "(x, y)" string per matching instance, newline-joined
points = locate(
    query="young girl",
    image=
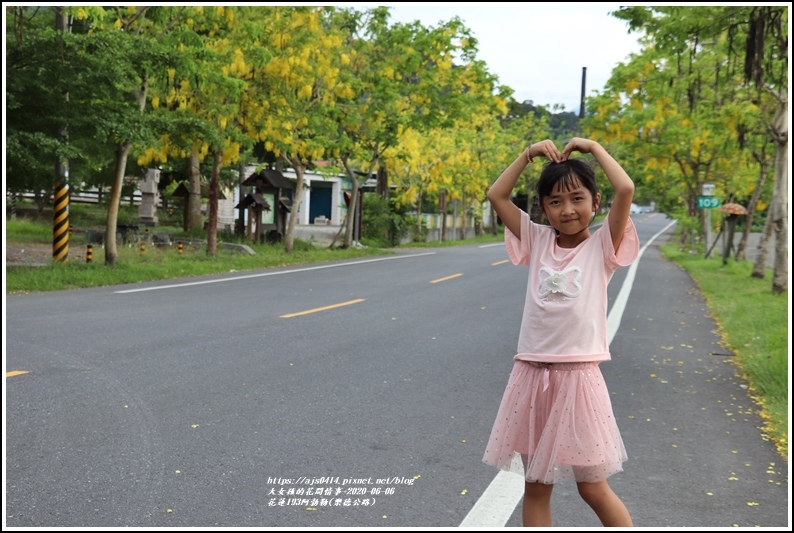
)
(555, 421)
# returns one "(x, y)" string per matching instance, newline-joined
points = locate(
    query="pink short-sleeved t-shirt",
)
(565, 312)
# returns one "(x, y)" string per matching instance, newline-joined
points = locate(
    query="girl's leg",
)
(536, 510)
(606, 504)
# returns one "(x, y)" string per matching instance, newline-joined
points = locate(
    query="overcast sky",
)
(538, 49)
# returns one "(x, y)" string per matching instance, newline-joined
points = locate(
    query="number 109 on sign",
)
(708, 202)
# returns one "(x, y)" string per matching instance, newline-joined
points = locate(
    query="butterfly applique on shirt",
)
(566, 282)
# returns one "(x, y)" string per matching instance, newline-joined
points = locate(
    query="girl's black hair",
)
(566, 173)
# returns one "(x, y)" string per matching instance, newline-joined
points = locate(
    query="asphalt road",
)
(357, 394)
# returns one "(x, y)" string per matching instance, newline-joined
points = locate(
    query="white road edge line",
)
(497, 503)
(263, 274)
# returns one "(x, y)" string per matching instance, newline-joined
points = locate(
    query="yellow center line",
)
(322, 308)
(500, 262)
(445, 279)
(16, 373)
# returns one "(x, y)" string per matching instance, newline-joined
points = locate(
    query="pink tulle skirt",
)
(555, 423)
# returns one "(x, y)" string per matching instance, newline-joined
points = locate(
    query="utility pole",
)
(60, 221)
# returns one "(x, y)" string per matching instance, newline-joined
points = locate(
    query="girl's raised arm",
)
(499, 193)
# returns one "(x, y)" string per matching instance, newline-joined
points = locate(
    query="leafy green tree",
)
(290, 88)
(673, 126)
(39, 72)
(206, 93)
(742, 46)
(403, 77)
(112, 62)
(103, 66)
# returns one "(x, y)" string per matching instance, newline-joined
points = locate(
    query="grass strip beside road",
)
(158, 263)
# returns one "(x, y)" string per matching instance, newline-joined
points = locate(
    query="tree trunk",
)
(352, 215)
(442, 210)
(239, 225)
(122, 152)
(114, 202)
(494, 223)
(780, 274)
(194, 193)
(748, 221)
(383, 183)
(464, 218)
(350, 220)
(779, 208)
(212, 226)
(289, 238)
(419, 207)
(727, 243)
(759, 268)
